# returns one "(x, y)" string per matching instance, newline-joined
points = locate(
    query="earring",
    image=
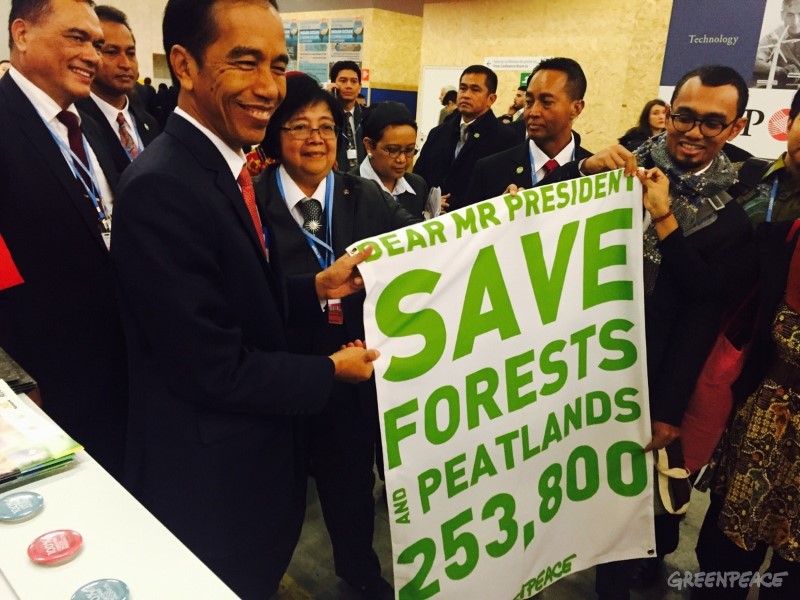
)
(369, 154)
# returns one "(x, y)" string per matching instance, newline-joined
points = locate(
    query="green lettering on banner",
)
(581, 337)
(591, 474)
(597, 414)
(547, 287)
(464, 222)
(622, 402)
(506, 440)
(449, 394)
(626, 347)
(477, 398)
(516, 379)
(428, 482)
(596, 258)
(392, 244)
(395, 323)
(550, 366)
(453, 471)
(485, 280)
(638, 468)
(483, 465)
(552, 431)
(394, 432)
(414, 239)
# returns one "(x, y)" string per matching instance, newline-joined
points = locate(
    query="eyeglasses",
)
(395, 152)
(708, 127)
(327, 131)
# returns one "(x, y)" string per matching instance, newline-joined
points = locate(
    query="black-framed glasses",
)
(301, 131)
(708, 127)
(394, 152)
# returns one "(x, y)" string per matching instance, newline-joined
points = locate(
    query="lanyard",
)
(75, 163)
(772, 194)
(534, 176)
(314, 241)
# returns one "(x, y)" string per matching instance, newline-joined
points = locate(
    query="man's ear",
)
(19, 34)
(492, 98)
(183, 65)
(577, 108)
(738, 125)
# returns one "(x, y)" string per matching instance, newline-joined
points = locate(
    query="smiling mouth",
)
(257, 112)
(82, 72)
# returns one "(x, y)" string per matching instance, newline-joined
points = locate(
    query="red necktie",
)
(75, 138)
(249, 195)
(550, 166)
(125, 137)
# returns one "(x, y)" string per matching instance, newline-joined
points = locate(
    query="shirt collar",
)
(108, 110)
(44, 104)
(293, 195)
(235, 160)
(400, 187)
(562, 158)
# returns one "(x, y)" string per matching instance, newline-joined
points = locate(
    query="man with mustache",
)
(58, 312)
(126, 127)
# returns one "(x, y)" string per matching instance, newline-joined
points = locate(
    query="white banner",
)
(512, 389)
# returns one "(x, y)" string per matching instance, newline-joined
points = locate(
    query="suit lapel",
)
(144, 129)
(343, 213)
(209, 158)
(522, 160)
(32, 127)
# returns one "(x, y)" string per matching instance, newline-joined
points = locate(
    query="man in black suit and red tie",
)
(216, 397)
(126, 127)
(553, 100)
(58, 312)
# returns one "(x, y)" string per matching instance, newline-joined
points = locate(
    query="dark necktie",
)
(351, 141)
(550, 166)
(249, 195)
(126, 138)
(312, 215)
(463, 133)
(75, 138)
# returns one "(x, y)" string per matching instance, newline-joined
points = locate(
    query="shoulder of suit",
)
(356, 186)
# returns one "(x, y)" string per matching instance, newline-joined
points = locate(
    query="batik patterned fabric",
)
(758, 471)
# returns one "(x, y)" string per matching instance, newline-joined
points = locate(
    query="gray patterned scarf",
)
(688, 194)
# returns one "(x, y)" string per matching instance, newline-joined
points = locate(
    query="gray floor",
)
(311, 575)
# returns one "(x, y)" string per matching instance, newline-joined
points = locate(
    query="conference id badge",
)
(106, 239)
(352, 154)
(335, 312)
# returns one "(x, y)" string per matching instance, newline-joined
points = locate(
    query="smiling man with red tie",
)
(553, 100)
(58, 313)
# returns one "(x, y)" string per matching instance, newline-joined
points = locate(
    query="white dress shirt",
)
(401, 185)
(294, 195)
(540, 158)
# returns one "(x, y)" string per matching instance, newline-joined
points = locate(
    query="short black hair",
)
(522, 88)
(717, 76)
(301, 91)
(31, 10)
(112, 15)
(794, 109)
(191, 24)
(345, 65)
(491, 76)
(450, 96)
(576, 80)
(383, 115)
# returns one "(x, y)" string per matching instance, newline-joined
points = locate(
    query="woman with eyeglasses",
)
(313, 214)
(390, 138)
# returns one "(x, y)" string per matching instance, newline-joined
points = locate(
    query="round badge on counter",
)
(107, 589)
(20, 506)
(55, 546)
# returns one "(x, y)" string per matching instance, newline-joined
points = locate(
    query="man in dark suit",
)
(345, 86)
(126, 127)
(58, 313)
(553, 100)
(453, 148)
(216, 395)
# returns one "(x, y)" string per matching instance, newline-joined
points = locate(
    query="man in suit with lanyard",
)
(58, 312)
(126, 127)
(553, 100)
(213, 449)
(346, 85)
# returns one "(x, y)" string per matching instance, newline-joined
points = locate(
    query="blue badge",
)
(20, 506)
(107, 589)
